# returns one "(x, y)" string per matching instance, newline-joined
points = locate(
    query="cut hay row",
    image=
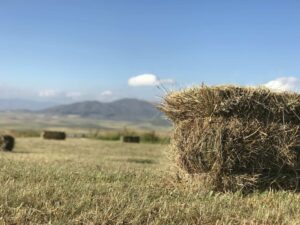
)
(236, 138)
(54, 135)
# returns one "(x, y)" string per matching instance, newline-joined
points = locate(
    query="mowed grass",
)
(96, 182)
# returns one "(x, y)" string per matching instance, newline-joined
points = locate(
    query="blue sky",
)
(89, 49)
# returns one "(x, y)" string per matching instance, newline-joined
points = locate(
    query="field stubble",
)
(82, 181)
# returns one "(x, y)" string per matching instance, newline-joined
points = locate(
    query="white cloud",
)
(106, 93)
(73, 94)
(48, 93)
(284, 84)
(143, 80)
(148, 80)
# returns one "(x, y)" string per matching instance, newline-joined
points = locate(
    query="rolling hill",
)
(121, 110)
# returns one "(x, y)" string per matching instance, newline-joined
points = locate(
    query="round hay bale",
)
(7, 142)
(54, 135)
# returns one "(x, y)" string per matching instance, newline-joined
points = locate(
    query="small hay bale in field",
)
(130, 139)
(54, 135)
(7, 142)
(237, 138)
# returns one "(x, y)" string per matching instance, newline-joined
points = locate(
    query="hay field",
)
(71, 124)
(82, 181)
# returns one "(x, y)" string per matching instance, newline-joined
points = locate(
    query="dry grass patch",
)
(95, 182)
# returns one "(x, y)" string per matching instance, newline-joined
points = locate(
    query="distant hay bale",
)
(237, 138)
(54, 135)
(130, 139)
(7, 142)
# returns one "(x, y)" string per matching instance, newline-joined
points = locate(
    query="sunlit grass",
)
(82, 181)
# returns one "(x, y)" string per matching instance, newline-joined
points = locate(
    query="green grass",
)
(82, 181)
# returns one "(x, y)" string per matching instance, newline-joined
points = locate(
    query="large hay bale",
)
(237, 138)
(54, 135)
(7, 142)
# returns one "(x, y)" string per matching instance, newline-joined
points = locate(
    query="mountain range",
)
(120, 110)
(132, 110)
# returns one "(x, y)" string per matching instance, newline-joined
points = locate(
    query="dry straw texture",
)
(236, 138)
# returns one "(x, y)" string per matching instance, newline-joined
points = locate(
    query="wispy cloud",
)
(105, 96)
(7, 91)
(59, 95)
(106, 93)
(48, 93)
(284, 84)
(73, 94)
(148, 80)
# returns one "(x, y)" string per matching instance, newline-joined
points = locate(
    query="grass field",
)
(81, 181)
(71, 124)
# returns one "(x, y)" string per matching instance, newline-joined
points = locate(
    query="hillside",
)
(120, 110)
